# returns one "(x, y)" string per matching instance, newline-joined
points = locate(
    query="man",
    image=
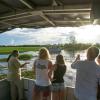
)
(86, 76)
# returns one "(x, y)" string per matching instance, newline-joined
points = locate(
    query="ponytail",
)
(14, 53)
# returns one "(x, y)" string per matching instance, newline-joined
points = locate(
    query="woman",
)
(43, 70)
(58, 89)
(14, 75)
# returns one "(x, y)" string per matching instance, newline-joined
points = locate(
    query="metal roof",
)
(43, 13)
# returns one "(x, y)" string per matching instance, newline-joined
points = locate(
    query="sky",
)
(52, 35)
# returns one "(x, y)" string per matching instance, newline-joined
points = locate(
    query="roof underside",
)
(43, 13)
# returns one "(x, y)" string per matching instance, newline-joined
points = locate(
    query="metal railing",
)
(28, 90)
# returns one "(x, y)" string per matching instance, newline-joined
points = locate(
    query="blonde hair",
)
(60, 59)
(44, 53)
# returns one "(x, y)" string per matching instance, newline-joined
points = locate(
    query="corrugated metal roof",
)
(44, 13)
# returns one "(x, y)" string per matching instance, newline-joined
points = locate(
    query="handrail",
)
(28, 89)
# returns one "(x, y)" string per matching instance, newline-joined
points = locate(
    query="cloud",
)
(52, 35)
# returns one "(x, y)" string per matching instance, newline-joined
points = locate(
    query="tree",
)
(71, 38)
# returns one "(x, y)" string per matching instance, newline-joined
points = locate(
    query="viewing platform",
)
(28, 88)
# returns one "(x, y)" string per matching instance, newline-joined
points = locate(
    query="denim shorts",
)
(41, 88)
(57, 87)
(45, 89)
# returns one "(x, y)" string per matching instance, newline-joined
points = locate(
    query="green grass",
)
(28, 74)
(3, 59)
(25, 74)
(3, 76)
(6, 50)
(25, 56)
(21, 57)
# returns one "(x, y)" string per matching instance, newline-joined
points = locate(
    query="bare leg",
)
(48, 97)
(55, 95)
(36, 95)
(62, 95)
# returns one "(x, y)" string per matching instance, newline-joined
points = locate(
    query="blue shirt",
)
(86, 79)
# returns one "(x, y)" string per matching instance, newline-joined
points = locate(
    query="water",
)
(3, 56)
(69, 57)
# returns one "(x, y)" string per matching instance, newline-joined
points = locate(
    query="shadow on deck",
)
(28, 88)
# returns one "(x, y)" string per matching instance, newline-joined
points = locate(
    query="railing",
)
(28, 88)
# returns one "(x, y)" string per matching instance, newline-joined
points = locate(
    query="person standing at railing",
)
(98, 88)
(14, 76)
(58, 88)
(98, 60)
(86, 76)
(43, 71)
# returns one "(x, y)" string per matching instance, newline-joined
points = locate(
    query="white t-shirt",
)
(41, 71)
(86, 79)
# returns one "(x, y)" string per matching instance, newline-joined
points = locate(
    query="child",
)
(58, 89)
(43, 71)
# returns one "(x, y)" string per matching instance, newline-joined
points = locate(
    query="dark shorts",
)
(44, 89)
(57, 87)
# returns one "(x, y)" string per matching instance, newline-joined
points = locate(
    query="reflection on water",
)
(68, 56)
(3, 56)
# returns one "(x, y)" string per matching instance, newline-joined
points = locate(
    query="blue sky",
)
(83, 34)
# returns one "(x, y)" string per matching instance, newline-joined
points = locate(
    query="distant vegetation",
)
(7, 49)
(78, 46)
(22, 48)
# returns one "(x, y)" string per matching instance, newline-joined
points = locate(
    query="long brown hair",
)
(60, 59)
(44, 53)
(13, 53)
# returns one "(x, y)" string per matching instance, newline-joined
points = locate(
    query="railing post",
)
(4, 90)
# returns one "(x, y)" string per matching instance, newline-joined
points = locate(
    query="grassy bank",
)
(21, 57)
(6, 50)
(25, 56)
(3, 59)
(3, 76)
(25, 74)
(28, 74)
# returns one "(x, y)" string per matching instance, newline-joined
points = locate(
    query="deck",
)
(28, 84)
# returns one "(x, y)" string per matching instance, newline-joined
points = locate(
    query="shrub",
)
(3, 76)
(25, 56)
(28, 74)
